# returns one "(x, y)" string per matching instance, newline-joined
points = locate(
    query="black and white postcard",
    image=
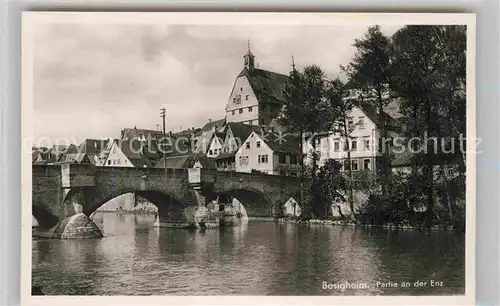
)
(229, 158)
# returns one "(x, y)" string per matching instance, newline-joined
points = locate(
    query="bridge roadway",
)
(60, 191)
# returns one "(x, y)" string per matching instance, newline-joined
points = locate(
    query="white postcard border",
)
(31, 19)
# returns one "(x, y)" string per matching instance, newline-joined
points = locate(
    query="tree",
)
(330, 185)
(306, 112)
(369, 74)
(340, 107)
(429, 77)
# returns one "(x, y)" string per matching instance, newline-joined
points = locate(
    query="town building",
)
(204, 136)
(235, 134)
(75, 158)
(257, 94)
(270, 153)
(363, 142)
(93, 148)
(186, 161)
(216, 144)
(128, 153)
(140, 134)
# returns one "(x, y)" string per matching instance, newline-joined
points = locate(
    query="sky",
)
(91, 81)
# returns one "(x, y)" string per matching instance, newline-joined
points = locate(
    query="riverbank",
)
(352, 224)
(135, 212)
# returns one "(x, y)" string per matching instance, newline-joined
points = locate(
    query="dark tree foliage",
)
(306, 113)
(330, 186)
(429, 77)
(369, 73)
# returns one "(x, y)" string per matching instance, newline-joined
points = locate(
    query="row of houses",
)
(247, 139)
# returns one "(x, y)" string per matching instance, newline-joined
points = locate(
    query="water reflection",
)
(257, 258)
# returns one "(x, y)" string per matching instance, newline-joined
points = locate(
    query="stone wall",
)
(47, 195)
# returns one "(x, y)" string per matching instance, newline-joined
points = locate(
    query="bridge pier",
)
(77, 225)
(204, 217)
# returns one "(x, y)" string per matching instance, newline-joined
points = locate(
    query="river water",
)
(260, 258)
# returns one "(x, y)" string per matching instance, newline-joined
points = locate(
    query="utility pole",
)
(163, 114)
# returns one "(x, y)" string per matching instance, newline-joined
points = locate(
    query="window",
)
(366, 164)
(293, 173)
(350, 123)
(210, 152)
(126, 161)
(247, 145)
(366, 142)
(361, 122)
(282, 158)
(246, 97)
(241, 88)
(336, 146)
(118, 162)
(354, 165)
(317, 141)
(258, 144)
(346, 165)
(232, 112)
(243, 160)
(354, 144)
(237, 99)
(262, 159)
(250, 109)
(241, 111)
(109, 162)
(293, 159)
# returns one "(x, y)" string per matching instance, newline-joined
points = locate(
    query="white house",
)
(235, 134)
(363, 141)
(256, 97)
(204, 136)
(216, 145)
(268, 154)
(126, 153)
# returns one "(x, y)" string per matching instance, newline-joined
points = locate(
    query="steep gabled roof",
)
(93, 146)
(136, 133)
(282, 142)
(74, 158)
(133, 150)
(266, 85)
(186, 161)
(242, 131)
(372, 113)
(217, 123)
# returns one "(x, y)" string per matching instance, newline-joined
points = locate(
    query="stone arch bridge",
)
(61, 191)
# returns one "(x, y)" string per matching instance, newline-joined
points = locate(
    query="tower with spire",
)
(257, 96)
(249, 58)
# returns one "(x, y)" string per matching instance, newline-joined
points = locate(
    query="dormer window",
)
(350, 123)
(361, 122)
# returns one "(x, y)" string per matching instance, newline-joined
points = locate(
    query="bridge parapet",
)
(75, 175)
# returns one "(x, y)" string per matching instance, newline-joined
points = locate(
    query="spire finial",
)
(249, 57)
(293, 63)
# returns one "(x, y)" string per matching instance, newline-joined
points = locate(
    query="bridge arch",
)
(43, 215)
(170, 207)
(255, 202)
